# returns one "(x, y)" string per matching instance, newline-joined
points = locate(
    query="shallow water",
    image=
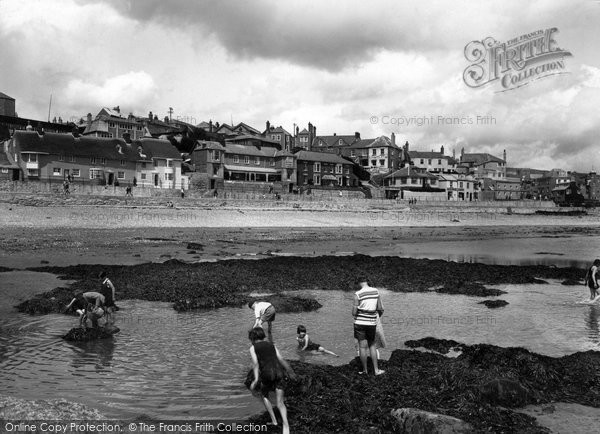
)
(166, 364)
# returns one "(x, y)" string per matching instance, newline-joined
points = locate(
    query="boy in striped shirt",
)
(367, 304)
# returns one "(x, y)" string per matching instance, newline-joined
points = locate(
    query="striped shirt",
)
(368, 301)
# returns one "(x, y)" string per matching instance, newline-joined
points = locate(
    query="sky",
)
(372, 67)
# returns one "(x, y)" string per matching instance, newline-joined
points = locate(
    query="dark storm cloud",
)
(332, 38)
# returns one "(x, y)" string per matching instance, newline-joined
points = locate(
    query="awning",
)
(250, 169)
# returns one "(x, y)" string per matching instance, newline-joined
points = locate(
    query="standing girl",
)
(268, 365)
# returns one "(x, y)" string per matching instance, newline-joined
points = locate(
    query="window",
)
(303, 139)
(433, 181)
(382, 151)
(4, 170)
(169, 176)
(374, 152)
(460, 184)
(216, 155)
(373, 162)
(439, 162)
(402, 180)
(429, 161)
(75, 173)
(272, 162)
(111, 124)
(353, 153)
(257, 160)
(120, 175)
(95, 173)
(236, 159)
(340, 142)
(143, 176)
(72, 158)
(123, 163)
(317, 179)
(155, 163)
(422, 161)
(61, 158)
(414, 180)
(169, 163)
(143, 165)
(56, 171)
(338, 168)
(317, 167)
(33, 172)
(347, 171)
(29, 158)
(246, 159)
(382, 162)
(92, 160)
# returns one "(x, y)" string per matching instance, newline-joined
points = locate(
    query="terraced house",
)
(324, 169)
(380, 155)
(55, 157)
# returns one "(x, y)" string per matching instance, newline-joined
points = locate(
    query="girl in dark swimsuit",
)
(269, 369)
(591, 279)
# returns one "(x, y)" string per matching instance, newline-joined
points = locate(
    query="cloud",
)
(134, 91)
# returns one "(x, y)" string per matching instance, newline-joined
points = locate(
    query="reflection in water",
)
(591, 323)
(99, 353)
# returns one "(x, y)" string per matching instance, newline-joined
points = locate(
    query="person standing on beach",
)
(591, 279)
(108, 291)
(264, 312)
(268, 366)
(367, 306)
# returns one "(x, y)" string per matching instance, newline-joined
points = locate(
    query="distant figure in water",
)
(89, 305)
(305, 344)
(264, 312)
(591, 279)
(268, 368)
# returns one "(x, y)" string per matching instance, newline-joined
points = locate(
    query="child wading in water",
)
(305, 344)
(591, 279)
(268, 365)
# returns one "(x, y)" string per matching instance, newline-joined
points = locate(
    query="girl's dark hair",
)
(301, 329)
(597, 262)
(256, 334)
(250, 303)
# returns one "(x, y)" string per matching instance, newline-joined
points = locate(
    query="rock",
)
(493, 304)
(571, 282)
(195, 246)
(504, 392)
(79, 334)
(15, 409)
(442, 346)
(413, 420)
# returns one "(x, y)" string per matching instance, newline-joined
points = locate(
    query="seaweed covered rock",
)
(54, 301)
(80, 334)
(505, 392)
(287, 303)
(493, 304)
(442, 346)
(571, 282)
(413, 420)
(476, 289)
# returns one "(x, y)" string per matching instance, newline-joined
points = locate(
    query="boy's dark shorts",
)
(365, 333)
(268, 315)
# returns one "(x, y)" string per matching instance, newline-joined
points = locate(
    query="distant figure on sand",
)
(367, 306)
(264, 312)
(268, 368)
(305, 344)
(108, 291)
(591, 279)
(89, 305)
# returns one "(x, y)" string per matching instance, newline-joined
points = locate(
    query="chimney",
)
(210, 126)
(334, 134)
(357, 135)
(504, 156)
(406, 147)
(393, 139)
(127, 137)
(89, 119)
(454, 153)
(442, 150)
(166, 119)
(314, 131)
(268, 126)
(462, 153)
(150, 116)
